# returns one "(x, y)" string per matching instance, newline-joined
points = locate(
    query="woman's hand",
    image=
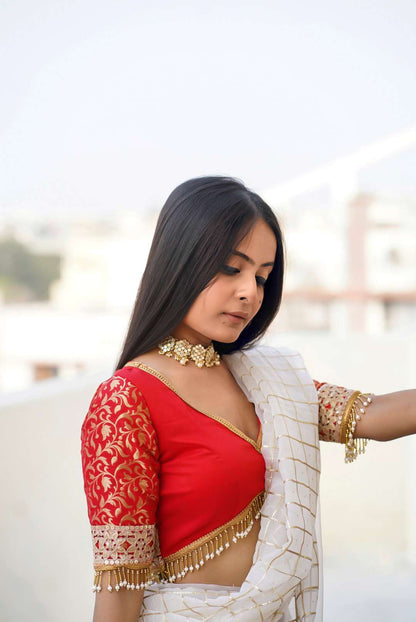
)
(389, 416)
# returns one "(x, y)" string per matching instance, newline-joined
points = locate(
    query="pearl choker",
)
(183, 351)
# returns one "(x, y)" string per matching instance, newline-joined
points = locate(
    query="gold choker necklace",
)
(183, 351)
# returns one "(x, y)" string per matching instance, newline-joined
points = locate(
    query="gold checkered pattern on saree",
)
(282, 584)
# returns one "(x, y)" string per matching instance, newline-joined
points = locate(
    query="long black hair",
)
(202, 221)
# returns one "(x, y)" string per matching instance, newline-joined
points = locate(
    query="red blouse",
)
(208, 473)
(149, 458)
(169, 487)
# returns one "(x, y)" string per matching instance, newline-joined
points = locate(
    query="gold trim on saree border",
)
(224, 422)
(193, 556)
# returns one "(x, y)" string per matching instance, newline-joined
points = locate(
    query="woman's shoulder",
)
(116, 396)
(127, 379)
(120, 382)
(135, 386)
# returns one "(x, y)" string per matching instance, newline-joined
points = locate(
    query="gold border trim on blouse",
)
(194, 555)
(224, 422)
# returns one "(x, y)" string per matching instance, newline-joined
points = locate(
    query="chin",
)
(227, 338)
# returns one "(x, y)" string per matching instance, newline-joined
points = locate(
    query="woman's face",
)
(228, 303)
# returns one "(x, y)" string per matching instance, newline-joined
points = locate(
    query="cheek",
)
(216, 294)
(207, 301)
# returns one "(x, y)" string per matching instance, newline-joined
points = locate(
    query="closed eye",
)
(231, 270)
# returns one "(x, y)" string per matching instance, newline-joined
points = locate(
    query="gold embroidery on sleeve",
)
(339, 411)
(119, 454)
(332, 403)
(120, 464)
(129, 546)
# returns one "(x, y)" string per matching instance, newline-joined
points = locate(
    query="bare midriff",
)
(232, 566)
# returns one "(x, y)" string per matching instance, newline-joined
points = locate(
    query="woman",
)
(201, 452)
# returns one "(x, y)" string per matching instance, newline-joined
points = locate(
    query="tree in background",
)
(25, 276)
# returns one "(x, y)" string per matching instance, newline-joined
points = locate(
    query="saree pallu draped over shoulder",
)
(283, 582)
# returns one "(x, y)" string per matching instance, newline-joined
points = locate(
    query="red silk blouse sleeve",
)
(120, 464)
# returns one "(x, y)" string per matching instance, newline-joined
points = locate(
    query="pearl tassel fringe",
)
(194, 556)
(355, 409)
(121, 577)
(188, 559)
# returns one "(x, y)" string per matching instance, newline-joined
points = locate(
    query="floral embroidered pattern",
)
(128, 546)
(120, 457)
(332, 404)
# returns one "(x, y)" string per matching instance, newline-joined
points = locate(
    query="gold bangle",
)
(354, 410)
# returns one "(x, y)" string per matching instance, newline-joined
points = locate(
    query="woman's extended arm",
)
(389, 416)
(123, 606)
(351, 417)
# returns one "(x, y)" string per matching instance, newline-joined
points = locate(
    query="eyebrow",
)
(250, 261)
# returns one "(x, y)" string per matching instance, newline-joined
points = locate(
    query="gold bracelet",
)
(354, 410)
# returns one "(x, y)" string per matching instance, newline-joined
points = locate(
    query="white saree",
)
(283, 582)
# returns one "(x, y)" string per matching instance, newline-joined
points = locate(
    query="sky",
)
(109, 105)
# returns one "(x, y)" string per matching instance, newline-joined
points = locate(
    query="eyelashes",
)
(230, 270)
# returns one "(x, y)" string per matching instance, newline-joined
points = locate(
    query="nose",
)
(248, 289)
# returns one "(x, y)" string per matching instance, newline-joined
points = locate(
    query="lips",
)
(241, 314)
(237, 315)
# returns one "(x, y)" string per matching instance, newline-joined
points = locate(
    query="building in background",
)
(352, 255)
(351, 268)
(82, 325)
(357, 275)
